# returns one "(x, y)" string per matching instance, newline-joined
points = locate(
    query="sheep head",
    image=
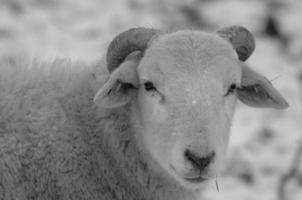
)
(182, 89)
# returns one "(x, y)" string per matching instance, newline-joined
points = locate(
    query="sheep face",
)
(182, 95)
(186, 102)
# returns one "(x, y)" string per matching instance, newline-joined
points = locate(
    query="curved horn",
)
(241, 39)
(126, 42)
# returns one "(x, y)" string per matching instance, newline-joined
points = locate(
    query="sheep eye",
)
(149, 86)
(232, 89)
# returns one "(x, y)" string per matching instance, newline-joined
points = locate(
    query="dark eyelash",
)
(149, 86)
(232, 89)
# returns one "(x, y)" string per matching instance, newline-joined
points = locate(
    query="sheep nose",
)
(199, 162)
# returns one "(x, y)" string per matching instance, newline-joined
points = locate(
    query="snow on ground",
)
(70, 28)
(263, 142)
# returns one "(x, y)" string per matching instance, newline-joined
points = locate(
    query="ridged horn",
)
(241, 39)
(135, 39)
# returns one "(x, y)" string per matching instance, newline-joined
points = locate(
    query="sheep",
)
(150, 122)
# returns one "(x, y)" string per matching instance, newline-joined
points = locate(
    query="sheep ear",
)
(258, 91)
(121, 86)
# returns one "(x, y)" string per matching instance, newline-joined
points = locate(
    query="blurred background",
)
(265, 156)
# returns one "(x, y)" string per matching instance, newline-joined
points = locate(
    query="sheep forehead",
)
(200, 42)
(200, 56)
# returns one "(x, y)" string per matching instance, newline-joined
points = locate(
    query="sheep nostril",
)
(199, 162)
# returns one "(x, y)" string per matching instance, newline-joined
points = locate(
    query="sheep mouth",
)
(198, 179)
(195, 179)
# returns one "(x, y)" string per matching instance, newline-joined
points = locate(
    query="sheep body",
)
(156, 127)
(54, 144)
